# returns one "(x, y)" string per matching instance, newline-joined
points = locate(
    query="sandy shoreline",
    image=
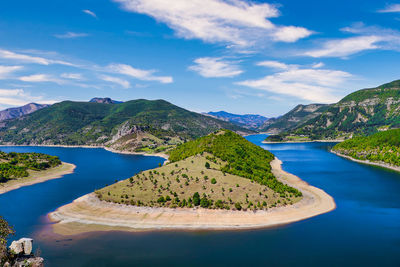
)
(379, 164)
(38, 177)
(89, 214)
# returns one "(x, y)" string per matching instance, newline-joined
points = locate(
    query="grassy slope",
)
(233, 161)
(380, 147)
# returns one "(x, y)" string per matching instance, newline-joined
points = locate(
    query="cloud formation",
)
(38, 78)
(310, 84)
(5, 71)
(212, 67)
(234, 22)
(124, 83)
(394, 8)
(18, 97)
(144, 75)
(26, 58)
(70, 35)
(90, 13)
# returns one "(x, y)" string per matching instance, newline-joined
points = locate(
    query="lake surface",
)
(364, 230)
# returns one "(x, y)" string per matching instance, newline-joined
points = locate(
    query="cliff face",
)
(12, 113)
(361, 113)
(293, 118)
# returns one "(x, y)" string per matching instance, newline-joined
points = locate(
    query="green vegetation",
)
(380, 147)
(243, 158)
(16, 165)
(5, 231)
(361, 113)
(137, 125)
(219, 171)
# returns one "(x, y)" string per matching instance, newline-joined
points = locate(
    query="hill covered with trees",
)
(381, 147)
(137, 125)
(221, 170)
(16, 165)
(361, 113)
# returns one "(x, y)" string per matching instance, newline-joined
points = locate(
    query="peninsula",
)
(220, 181)
(23, 169)
(380, 149)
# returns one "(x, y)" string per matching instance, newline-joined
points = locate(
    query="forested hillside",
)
(137, 125)
(379, 147)
(361, 113)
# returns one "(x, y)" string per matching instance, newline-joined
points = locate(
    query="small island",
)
(219, 181)
(23, 169)
(380, 149)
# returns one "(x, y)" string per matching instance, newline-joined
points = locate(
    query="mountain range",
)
(137, 125)
(249, 121)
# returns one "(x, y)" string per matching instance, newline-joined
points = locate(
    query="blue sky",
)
(261, 57)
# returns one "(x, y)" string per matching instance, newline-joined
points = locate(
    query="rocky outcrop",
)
(105, 100)
(20, 254)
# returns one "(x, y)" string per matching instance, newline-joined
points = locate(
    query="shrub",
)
(238, 206)
(213, 181)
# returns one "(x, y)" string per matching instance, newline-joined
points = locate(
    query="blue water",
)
(364, 230)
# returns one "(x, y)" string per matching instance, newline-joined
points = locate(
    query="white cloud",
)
(5, 71)
(70, 35)
(394, 8)
(318, 65)
(38, 78)
(215, 67)
(116, 80)
(72, 76)
(291, 34)
(274, 64)
(18, 97)
(90, 13)
(235, 22)
(145, 75)
(346, 47)
(24, 58)
(315, 85)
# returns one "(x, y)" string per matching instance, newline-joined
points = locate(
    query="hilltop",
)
(220, 171)
(135, 126)
(250, 121)
(361, 113)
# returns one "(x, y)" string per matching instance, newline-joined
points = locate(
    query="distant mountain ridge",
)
(17, 112)
(293, 118)
(249, 121)
(105, 100)
(360, 113)
(137, 126)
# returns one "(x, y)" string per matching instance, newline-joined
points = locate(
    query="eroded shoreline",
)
(38, 177)
(373, 163)
(89, 214)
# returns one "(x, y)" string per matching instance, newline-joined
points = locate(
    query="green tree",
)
(196, 199)
(213, 181)
(238, 206)
(207, 165)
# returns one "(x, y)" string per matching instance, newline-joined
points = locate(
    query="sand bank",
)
(380, 164)
(36, 177)
(88, 213)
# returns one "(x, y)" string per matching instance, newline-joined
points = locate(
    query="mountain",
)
(12, 113)
(361, 113)
(249, 121)
(293, 118)
(137, 125)
(105, 100)
(382, 147)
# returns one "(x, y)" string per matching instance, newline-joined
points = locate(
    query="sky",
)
(244, 57)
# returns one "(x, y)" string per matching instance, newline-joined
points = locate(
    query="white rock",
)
(27, 244)
(16, 247)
